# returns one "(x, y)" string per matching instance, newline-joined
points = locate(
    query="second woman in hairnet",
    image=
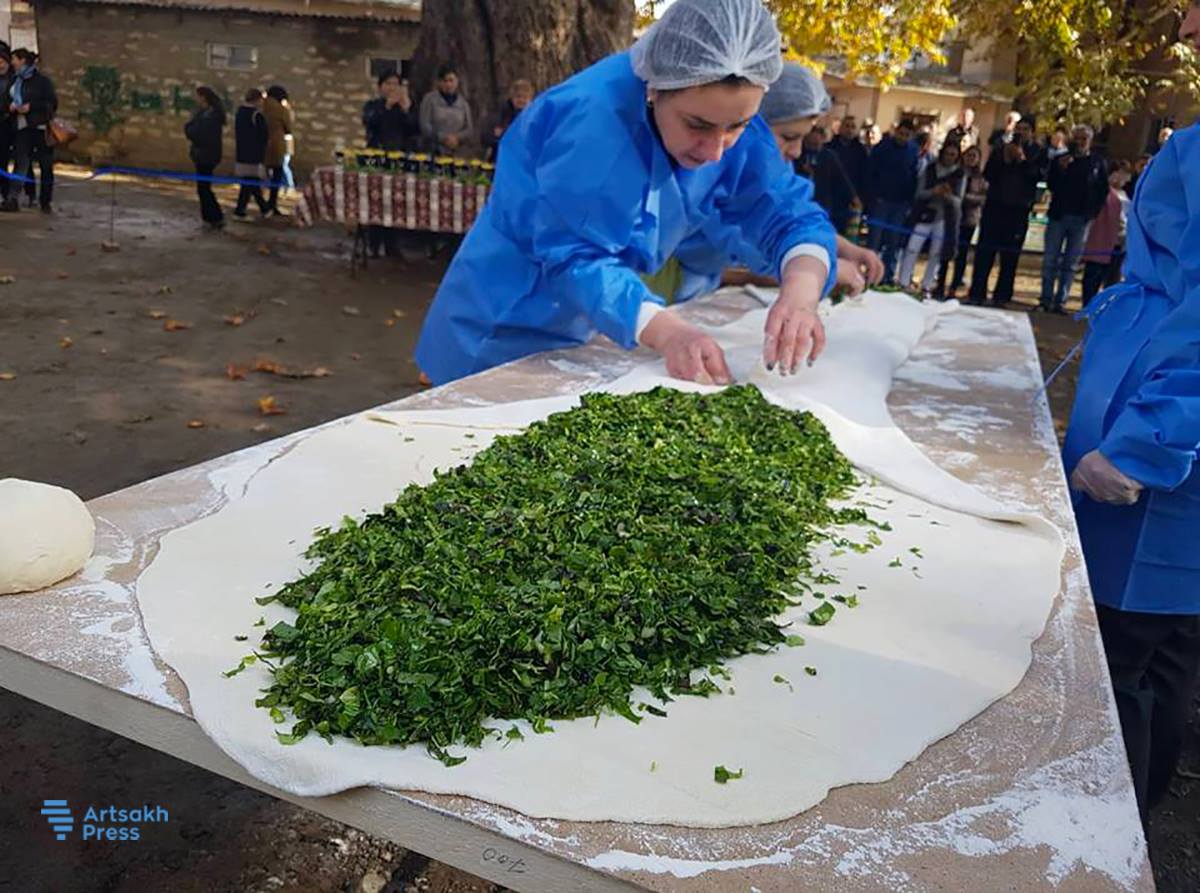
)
(605, 175)
(791, 108)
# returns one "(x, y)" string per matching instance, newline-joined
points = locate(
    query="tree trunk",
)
(494, 42)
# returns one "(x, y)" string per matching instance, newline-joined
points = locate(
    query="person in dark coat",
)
(520, 94)
(832, 187)
(1012, 173)
(1078, 182)
(8, 128)
(892, 182)
(33, 103)
(250, 139)
(204, 131)
(390, 119)
(852, 152)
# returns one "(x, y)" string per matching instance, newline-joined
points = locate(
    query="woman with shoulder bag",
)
(33, 103)
(935, 217)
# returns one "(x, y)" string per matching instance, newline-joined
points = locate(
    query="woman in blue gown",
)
(603, 176)
(791, 109)
(1131, 453)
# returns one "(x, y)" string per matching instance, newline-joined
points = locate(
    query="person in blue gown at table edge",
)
(605, 175)
(1131, 452)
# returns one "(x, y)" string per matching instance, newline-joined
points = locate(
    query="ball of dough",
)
(46, 535)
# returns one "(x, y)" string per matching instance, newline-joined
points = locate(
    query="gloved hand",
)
(690, 354)
(1099, 479)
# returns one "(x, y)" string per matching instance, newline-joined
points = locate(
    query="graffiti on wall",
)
(102, 83)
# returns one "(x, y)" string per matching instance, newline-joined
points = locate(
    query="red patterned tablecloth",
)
(403, 201)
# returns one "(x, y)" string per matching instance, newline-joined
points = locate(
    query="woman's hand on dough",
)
(871, 263)
(1098, 478)
(690, 354)
(793, 331)
(864, 260)
(849, 278)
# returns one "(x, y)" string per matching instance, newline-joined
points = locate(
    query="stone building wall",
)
(127, 75)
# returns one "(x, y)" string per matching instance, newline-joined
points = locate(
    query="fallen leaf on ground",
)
(61, 275)
(164, 289)
(280, 301)
(63, 322)
(234, 319)
(7, 376)
(261, 428)
(389, 322)
(71, 250)
(350, 310)
(176, 325)
(110, 247)
(356, 356)
(268, 406)
(264, 249)
(270, 367)
(7, 280)
(399, 314)
(195, 423)
(65, 341)
(137, 420)
(156, 314)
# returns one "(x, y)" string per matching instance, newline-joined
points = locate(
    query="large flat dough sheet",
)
(931, 644)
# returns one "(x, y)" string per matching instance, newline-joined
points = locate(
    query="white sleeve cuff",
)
(648, 311)
(809, 249)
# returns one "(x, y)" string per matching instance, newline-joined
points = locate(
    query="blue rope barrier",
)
(873, 223)
(148, 173)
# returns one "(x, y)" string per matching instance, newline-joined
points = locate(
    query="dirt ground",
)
(118, 366)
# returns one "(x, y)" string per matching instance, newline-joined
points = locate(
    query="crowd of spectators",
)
(963, 201)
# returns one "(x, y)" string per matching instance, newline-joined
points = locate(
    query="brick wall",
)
(161, 55)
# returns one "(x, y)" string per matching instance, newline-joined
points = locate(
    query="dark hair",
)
(388, 74)
(445, 70)
(277, 92)
(950, 144)
(213, 100)
(253, 95)
(28, 56)
(730, 80)
(908, 123)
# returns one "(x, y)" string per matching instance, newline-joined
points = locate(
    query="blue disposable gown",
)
(1138, 399)
(584, 200)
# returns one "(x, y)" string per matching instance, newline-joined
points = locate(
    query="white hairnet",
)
(798, 93)
(704, 41)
